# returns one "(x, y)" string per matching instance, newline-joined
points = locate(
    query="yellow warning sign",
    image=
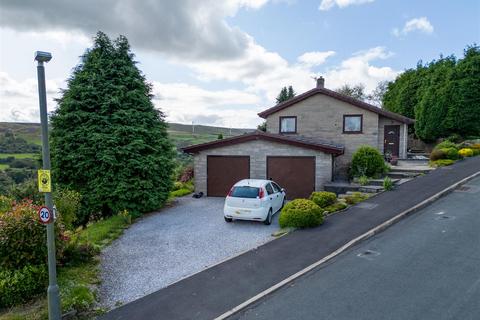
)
(44, 181)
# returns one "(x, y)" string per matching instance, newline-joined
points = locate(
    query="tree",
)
(219, 136)
(285, 94)
(357, 91)
(376, 97)
(108, 141)
(262, 126)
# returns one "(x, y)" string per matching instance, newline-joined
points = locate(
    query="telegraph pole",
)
(54, 308)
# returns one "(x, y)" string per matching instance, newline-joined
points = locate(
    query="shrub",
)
(187, 174)
(335, 207)
(356, 197)
(20, 175)
(301, 213)
(451, 153)
(23, 238)
(437, 154)
(363, 180)
(367, 161)
(442, 163)
(27, 190)
(6, 204)
(67, 203)
(18, 286)
(446, 144)
(466, 152)
(323, 198)
(5, 183)
(387, 184)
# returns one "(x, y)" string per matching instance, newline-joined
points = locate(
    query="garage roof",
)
(303, 142)
(335, 95)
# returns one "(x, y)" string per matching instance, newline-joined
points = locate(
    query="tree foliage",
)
(286, 94)
(108, 141)
(443, 96)
(356, 91)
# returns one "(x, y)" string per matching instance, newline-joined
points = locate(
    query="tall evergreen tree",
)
(291, 93)
(286, 94)
(108, 141)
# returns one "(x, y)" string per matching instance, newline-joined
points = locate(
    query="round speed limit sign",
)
(44, 215)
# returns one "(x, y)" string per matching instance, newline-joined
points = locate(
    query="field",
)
(181, 134)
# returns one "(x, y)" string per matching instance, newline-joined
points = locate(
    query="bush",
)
(363, 180)
(451, 153)
(67, 203)
(387, 184)
(18, 286)
(301, 213)
(466, 152)
(323, 198)
(446, 144)
(20, 175)
(27, 190)
(187, 174)
(367, 161)
(6, 183)
(23, 238)
(6, 204)
(442, 163)
(437, 154)
(335, 207)
(24, 163)
(356, 197)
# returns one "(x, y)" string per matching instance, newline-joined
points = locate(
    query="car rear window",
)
(244, 192)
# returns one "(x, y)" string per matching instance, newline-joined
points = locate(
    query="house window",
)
(288, 124)
(352, 123)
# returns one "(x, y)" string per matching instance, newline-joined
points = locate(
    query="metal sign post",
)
(54, 312)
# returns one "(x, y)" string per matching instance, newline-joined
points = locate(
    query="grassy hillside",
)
(181, 134)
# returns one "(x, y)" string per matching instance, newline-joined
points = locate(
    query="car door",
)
(271, 197)
(279, 195)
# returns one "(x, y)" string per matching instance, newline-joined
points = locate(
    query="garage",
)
(295, 174)
(224, 171)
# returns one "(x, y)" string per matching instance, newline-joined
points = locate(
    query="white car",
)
(254, 199)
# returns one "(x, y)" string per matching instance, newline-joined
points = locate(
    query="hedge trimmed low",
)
(301, 213)
(323, 198)
(18, 286)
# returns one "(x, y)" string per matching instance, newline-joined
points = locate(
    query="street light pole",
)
(53, 295)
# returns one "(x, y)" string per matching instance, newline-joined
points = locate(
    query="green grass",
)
(3, 166)
(77, 283)
(19, 155)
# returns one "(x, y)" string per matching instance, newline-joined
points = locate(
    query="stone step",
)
(402, 174)
(379, 182)
(413, 169)
(371, 189)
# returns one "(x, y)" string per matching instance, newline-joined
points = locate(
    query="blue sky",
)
(220, 62)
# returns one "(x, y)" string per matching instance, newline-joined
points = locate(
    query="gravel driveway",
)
(172, 244)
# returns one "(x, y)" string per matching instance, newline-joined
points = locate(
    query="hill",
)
(181, 134)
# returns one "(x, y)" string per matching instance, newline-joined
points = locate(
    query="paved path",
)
(219, 289)
(172, 244)
(425, 267)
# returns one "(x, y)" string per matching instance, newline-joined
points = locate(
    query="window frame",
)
(280, 124)
(361, 123)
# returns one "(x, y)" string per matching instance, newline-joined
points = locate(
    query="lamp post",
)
(54, 312)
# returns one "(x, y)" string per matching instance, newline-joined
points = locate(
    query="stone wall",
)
(258, 151)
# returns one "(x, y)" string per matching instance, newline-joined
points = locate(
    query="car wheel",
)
(228, 219)
(268, 219)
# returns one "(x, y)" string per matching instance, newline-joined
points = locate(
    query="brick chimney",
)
(320, 82)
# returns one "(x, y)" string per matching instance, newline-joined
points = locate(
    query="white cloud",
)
(315, 58)
(329, 4)
(417, 24)
(358, 69)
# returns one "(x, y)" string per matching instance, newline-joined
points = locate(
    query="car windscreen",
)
(244, 192)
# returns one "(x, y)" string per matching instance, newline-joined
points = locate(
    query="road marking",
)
(439, 213)
(346, 246)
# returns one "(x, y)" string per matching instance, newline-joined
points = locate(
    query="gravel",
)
(172, 244)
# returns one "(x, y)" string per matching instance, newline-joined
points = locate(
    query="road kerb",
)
(346, 246)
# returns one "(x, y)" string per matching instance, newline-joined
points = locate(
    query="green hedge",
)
(323, 198)
(367, 161)
(301, 213)
(19, 286)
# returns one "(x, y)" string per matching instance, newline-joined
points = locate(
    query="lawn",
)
(19, 155)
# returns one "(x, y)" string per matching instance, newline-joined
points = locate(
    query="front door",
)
(392, 140)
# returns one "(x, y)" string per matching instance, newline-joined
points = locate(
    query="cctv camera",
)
(42, 56)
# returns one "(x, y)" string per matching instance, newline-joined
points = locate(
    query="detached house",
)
(310, 139)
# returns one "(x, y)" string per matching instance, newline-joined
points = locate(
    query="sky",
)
(220, 62)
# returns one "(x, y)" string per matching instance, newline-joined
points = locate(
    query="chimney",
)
(320, 82)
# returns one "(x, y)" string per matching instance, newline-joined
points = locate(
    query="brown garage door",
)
(224, 171)
(295, 174)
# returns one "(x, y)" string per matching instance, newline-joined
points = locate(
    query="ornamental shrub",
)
(465, 152)
(442, 163)
(23, 238)
(67, 203)
(6, 204)
(356, 197)
(301, 213)
(446, 144)
(451, 153)
(323, 198)
(387, 184)
(437, 154)
(335, 207)
(20, 285)
(367, 161)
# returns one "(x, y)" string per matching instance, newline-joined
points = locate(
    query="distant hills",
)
(181, 134)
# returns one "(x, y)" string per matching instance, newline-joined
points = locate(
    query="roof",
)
(366, 106)
(298, 141)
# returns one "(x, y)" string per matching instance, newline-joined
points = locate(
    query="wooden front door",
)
(392, 140)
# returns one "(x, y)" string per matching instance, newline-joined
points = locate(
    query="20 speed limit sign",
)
(44, 215)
